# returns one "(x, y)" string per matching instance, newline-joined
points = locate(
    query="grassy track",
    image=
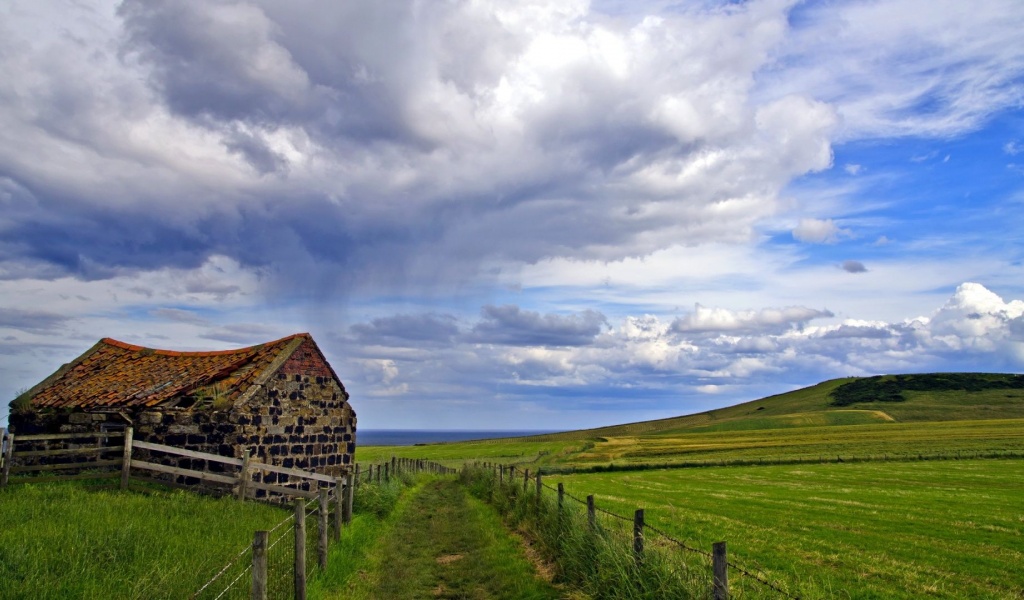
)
(63, 541)
(943, 529)
(442, 543)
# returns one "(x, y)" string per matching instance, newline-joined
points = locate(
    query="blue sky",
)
(518, 215)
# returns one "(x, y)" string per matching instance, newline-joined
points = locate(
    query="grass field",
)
(62, 541)
(942, 529)
(874, 440)
(933, 417)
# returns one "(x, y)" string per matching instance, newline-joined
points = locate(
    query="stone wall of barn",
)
(299, 419)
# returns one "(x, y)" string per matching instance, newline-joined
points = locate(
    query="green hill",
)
(847, 401)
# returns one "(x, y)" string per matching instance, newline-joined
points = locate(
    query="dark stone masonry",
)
(280, 402)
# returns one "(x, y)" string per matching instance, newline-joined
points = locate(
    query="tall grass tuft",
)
(65, 541)
(597, 560)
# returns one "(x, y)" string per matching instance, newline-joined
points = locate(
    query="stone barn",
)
(280, 401)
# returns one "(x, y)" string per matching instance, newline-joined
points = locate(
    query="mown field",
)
(933, 529)
(832, 501)
(932, 414)
(890, 440)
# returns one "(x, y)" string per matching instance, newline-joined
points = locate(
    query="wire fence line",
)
(749, 573)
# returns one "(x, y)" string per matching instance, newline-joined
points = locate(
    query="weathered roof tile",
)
(114, 374)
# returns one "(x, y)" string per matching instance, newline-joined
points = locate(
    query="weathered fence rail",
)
(92, 456)
(322, 504)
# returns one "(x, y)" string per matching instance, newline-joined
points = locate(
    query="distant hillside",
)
(847, 401)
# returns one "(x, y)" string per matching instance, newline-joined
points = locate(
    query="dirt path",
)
(446, 544)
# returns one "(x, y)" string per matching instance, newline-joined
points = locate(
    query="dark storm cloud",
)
(405, 329)
(329, 144)
(512, 326)
(854, 266)
(340, 70)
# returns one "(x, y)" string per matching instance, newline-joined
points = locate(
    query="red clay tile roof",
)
(115, 374)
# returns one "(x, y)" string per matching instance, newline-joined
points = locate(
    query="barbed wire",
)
(762, 581)
(648, 527)
(233, 582)
(611, 514)
(679, 543)
(283, 535)
(222, 571)
(283, 521)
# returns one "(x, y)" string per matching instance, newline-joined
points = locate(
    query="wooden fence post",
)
(243, 475)
(349, 495)
(591, 512)
(638, 535)
(321, 547)
(721, 571)
(387, 475)
(561, 496)
(126, 461)
(259, 565)
(393, 462)
(378, 474)
(300, 549)
(539, 486)
(339, 506)
(501, 474)
(8, 456)
(357, 473)
(526, 479)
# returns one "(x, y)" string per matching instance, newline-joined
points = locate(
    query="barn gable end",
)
(280, 402)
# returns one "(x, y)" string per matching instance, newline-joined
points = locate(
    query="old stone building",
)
(281, 402)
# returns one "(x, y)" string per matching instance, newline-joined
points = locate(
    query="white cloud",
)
(706, 320)
(819, 231)
(877, 63)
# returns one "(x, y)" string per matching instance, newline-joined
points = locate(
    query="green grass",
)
(943, 529)
(63, 541)
(499, 450)
(439, 542)
(938, 414)
(786, 438)
(597, 561)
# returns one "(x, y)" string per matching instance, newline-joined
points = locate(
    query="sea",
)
(411, 437)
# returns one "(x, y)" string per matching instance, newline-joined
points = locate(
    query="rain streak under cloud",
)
(524, 213)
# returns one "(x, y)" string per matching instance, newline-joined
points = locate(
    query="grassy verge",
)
(942, 529)
(64, 541)
(373, 508)
(597, 560)
(437, 543)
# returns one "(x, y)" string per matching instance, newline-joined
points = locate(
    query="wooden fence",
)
(102, 455)
(114, 455)
(331, 512)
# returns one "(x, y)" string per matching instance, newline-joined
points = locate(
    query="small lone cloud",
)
(853, 169)
(853, 266)
(818, 231)
(1013, 148)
